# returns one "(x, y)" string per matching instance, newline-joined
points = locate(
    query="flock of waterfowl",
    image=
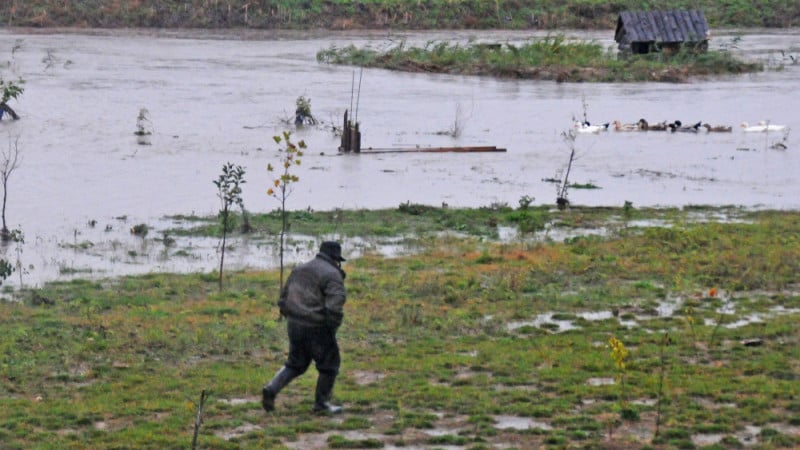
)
(676, 126)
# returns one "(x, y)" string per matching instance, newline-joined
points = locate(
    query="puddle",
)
(749, 436)
(519, 423)
(707, 439)
(599, 315)
(753, 318)
(729, 309)
(239, 401)
(363, 378)
(543, 321)
(668, 307)
(547, 321)
(650, 223)
(780, 309)
(109, 249)
(308, 441)
(712, 405)
(436, 432)
(600, 381)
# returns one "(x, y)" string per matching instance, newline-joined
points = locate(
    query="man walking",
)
(313, 302)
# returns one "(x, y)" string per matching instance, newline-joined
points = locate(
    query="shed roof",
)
(661, 26)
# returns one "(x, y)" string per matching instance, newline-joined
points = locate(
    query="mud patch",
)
(237, 432)
(363, 378)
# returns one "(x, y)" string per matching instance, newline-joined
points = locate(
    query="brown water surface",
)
(217, 97)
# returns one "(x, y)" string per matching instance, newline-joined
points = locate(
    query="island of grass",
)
(549, 58)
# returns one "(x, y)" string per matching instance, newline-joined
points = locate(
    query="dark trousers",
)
(316, 344)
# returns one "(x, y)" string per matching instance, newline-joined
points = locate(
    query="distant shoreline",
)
(378, 15)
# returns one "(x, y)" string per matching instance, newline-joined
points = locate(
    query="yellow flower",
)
(270, 191)
(618, 352)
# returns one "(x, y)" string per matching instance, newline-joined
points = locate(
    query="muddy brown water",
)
(217, 97)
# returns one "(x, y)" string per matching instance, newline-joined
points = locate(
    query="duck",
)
(678, 126)
(761, 126)
(718, 128)
(619, 126)
(586, 127)
(645, 126)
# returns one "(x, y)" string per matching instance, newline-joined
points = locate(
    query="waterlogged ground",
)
(216, 97)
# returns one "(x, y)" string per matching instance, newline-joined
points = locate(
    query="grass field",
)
(670, 329)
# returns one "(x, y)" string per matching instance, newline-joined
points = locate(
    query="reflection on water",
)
(217, 97)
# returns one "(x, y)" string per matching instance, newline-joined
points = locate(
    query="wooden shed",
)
(653, 31)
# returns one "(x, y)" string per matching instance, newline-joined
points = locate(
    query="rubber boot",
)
(270, 391)
(322, 396)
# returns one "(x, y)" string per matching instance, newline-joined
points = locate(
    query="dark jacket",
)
(314, 294)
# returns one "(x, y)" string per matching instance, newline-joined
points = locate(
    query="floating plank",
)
(478, 149)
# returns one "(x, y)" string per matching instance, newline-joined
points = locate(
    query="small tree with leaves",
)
(230, 193)
(281, 186)
(10, 90)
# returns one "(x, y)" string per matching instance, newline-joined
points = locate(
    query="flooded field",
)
(214, 97)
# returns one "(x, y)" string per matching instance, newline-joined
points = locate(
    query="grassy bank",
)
(397, 14)
(549, 58)
(445, 347)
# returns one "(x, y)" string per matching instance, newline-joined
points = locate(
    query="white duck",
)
(586, 127)
(761, 126)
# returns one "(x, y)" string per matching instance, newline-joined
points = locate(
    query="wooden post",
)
(345, 147)
(199, 419)
(355, 139)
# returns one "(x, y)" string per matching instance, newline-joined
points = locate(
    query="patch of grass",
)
(549, 58)
(337, 441)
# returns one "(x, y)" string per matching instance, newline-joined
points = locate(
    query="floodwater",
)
(216, 97)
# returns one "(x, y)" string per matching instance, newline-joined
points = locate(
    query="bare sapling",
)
(198, 420)
(458, 122)
(230, 193)
(661, 375)
(9, 162)
(561, 198)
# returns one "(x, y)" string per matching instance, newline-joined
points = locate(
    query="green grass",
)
(380, 14)
(428, 356)
(550, 58)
